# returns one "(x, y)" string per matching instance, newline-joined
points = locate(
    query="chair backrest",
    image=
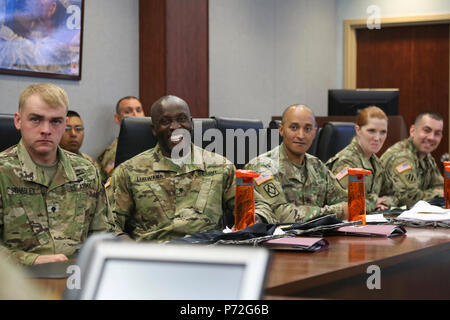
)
(334, 137)
(201, 125)
(241, 139)
(9, 135)
(135, 137)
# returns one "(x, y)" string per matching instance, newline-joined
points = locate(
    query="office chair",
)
(241, 139)
(334, 137)
(135, 136)
(9, 135)
(200, 126)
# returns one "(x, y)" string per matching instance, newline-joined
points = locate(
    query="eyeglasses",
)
(76, 128)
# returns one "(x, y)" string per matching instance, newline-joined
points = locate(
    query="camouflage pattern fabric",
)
(89, 158)
(39, 216)
(106, 160)
(413, 178)
(289, 193)
(154, 199)
(376, 185)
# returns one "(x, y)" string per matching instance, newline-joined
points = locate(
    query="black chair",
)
(334, 137)
(273, 131)
(241, 139)
(200, 126)
(9, 135)
(135, 136)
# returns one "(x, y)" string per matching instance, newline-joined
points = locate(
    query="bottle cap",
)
(354, 171)
(247, 174)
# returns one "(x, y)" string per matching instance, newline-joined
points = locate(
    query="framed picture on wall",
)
(41, 38)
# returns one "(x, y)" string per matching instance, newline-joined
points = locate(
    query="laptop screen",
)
(133, 271)
(169, 280)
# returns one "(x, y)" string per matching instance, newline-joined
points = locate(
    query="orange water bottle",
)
(356, 194)
(244, 208)
(447, 185)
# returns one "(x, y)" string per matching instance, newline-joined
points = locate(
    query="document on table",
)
(423, 211)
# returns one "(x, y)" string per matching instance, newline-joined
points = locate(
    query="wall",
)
(268, 54)
(110, 70)
(356, 9)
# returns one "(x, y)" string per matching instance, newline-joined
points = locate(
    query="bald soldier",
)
(294, 185)
(128, 106)
(174, 189)
(411, 166)
(50, 199)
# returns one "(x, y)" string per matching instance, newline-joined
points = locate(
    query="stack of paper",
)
(423, 211)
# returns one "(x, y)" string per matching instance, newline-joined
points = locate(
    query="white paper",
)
(375, 218)
(423, 211)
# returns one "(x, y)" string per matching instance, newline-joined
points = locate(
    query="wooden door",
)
(414, 59)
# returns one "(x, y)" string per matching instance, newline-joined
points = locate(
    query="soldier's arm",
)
(406, 183)
(22, 256)
(122, 202)
(103, 220)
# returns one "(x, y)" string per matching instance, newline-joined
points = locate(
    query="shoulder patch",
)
(265, 176)
(108, 183)
(341, 174)
(271, 190)
(403, 167)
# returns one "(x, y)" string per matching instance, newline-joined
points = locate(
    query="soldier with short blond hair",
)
(50, 199)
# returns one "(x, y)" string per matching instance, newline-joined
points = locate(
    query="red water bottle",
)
(356, 194)
(447, 185)
(244, 208)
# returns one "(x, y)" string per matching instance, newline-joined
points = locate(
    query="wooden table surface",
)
(415, 265)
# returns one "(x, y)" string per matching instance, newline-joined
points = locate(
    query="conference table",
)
(411, 266)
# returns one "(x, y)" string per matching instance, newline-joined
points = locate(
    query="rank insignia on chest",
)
(403, 167)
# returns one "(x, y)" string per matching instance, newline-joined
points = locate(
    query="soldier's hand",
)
(50, 258)
(381, 205)
(345, 209)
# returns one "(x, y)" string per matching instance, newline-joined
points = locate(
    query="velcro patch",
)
(108, 183)
(403, 167)
(342, 174)
(265, 176)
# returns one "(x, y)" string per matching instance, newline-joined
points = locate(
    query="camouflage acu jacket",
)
(106, 160)
(288, 193)
(154, 199)
(376, 185)
(39, 216)
(413, 178)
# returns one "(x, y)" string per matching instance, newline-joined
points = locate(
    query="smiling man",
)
(410, 164)
(50, 199)
(295, 186)
(174, 189)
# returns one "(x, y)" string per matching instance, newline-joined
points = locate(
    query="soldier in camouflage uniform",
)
(73, 137)
(159, 196)
(50, 199)
(295, 186)
(371, 132)
(413, 170)
(128, 106)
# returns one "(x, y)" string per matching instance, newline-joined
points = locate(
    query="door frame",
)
(350, 45)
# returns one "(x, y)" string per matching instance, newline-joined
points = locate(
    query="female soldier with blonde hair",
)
(371, 132)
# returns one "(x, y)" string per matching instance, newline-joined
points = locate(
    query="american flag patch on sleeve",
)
(265, 176)
(403, 167)
(341, 174)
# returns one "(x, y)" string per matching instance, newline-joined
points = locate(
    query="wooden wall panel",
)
(174, 52)
(414, 59)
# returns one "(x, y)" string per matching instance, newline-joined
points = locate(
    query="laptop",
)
(127, 270)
